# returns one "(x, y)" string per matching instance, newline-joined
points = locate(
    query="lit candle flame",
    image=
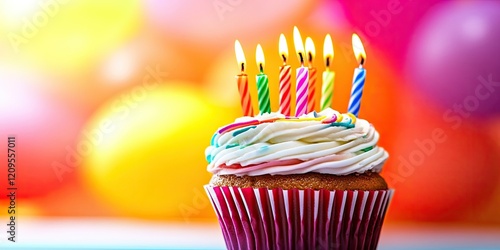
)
(283, 47)
(299, 45)
(240, 56)
(259, 55)
(359, 50)
(328, 50)
(310, 50)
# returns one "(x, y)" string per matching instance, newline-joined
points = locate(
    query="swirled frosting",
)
(326, 142)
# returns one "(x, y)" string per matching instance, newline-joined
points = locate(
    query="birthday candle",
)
(242, 81)
(359, 77)
(311, 93)
(302, 76)
(262, 83)
(328, 76)
(285, 78)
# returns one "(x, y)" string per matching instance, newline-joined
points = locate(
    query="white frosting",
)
(295, 147)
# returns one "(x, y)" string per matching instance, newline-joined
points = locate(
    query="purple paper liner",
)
(261, 218)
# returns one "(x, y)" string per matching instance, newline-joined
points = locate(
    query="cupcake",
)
(308, 182)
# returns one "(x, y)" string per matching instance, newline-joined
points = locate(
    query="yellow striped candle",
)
(328, 76)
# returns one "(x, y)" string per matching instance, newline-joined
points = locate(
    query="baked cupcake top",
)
(326, 142)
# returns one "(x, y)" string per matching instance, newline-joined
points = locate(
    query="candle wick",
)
(284, 58)
(310, 57)
(328, 61)
(242, 67)
(301, 58)
(261, 68)
(362, 61)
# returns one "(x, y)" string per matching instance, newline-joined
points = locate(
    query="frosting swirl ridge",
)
(326, 142)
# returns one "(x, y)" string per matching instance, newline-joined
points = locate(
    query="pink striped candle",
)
(311, 93)
(302, 76)
(285, 78)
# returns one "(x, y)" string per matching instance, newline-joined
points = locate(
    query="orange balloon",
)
(443, 166)
(148, 151)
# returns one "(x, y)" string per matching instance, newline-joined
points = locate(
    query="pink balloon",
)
(453, 58)
(45, 128)
(388, 25)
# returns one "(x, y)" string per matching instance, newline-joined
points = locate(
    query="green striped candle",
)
(328, 76)
(327, 89)
(262, 83)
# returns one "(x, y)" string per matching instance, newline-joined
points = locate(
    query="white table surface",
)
(102, 233)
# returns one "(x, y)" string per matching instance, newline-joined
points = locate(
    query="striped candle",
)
(302, 76)
(327, 89)
(328, 76)
(311, 92)
(302, 89)
(285, 86)
(357, 90)
(246, 101)
(359, 77)
(262, 83)
(242, 81)
(285, 78)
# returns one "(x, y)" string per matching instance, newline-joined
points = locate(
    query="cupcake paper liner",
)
(261, 218)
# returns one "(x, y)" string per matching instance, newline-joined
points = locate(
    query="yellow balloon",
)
(144, 150)
(66, 35)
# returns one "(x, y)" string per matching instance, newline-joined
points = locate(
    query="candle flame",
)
(299, 45)
(310, 49)
(240, 56)
(359, 50)
(259, 55)
(283, 48)
(328, 50)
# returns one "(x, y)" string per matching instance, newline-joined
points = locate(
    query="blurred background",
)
(113, 103)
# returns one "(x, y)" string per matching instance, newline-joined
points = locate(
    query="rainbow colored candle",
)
(242, 81)
(359, 77)
(328, 76)
(262, 83)
(311, 93)
(302, 76)
(285, 78)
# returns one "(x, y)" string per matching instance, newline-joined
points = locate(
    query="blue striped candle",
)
(358, 80)
(357, 90)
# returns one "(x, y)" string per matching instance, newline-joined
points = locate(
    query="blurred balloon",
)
(442, 170)
(210, 22)
(387, 25)
(66, 36)
(328, 17)
(147, 150)
(451, 58)
(45, 127)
